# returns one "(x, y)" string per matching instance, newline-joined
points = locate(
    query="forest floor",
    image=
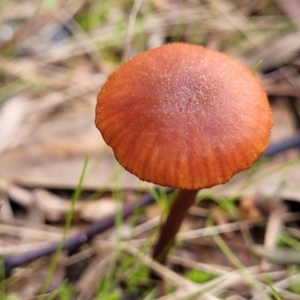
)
(58, 178)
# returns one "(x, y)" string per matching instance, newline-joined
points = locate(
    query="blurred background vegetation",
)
(54, 58)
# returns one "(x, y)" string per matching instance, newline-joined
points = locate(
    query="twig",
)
(292, 142)
(79, 239)
(86, 235)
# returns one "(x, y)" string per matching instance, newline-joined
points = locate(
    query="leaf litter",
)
(53, 61)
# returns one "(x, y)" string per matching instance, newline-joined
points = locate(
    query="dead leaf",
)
(55, 153)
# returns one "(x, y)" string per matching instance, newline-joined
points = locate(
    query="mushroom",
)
(185, 117)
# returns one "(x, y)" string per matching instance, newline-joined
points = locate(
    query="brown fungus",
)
(186, 117)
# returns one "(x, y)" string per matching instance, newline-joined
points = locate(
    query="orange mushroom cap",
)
(184, 116)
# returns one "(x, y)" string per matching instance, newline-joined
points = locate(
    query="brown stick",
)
(77, 240)
(184, 200)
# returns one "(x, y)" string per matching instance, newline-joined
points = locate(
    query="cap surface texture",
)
(184, 116)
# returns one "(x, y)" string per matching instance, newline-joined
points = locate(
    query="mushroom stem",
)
(179, 209)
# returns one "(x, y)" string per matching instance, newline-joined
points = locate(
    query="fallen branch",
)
(79, 239)
(91, 231)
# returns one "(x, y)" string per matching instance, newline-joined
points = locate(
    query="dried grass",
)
(54, 57)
